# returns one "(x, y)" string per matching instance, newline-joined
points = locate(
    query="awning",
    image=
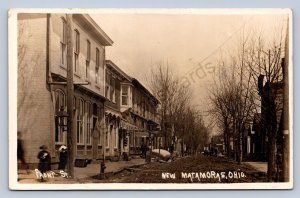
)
(113, 113)
(128, 126)
(142, 134)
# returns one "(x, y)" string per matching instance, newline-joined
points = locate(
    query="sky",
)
(188, 43)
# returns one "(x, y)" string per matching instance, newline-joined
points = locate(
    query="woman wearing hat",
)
(45, 159)
(63, 157)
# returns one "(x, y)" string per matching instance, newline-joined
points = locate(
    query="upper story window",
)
(97, 66)
(107, 84)
(112, 89)
(125, 94)
(76, 50)
(63, 43)
(88, 59)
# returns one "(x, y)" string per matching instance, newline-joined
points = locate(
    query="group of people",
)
(43, 156)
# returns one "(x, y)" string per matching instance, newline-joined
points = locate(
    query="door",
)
(120, 146)
(96, 136)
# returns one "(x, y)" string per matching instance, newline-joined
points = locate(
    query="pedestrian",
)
(143, 149)
(45, 160)
(172, 148)
(20, 151)
(63, 157)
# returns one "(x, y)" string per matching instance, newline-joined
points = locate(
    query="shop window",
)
(88, 112)
(80, 122)
(60, 101)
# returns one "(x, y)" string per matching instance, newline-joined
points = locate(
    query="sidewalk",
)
(259, 166)
(81, 174)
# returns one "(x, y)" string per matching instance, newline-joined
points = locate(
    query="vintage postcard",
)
(150, 99)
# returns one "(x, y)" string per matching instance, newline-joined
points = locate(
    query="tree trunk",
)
(225, 136)
(240, 146)
(271, 156)
(182, 151)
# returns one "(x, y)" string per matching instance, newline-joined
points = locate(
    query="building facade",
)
(140, 109)
(131, 113)
(114, 136)
(42, 72)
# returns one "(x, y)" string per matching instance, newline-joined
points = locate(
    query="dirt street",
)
(192, 169)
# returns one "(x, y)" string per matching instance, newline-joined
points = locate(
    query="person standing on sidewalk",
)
(20, 152)
(45, 160)
(63, 157)
(143, 149)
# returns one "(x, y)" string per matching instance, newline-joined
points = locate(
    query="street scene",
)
(153, 96)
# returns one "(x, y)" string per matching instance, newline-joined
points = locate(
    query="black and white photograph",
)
(150, 99)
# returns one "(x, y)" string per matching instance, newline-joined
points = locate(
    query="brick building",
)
(42, 50)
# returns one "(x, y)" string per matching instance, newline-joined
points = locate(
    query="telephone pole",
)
(286, 133)
(70, 95)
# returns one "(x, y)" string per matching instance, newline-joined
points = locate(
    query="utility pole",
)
(286, 135)
(70, 95)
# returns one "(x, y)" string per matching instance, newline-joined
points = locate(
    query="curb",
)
(109, 174)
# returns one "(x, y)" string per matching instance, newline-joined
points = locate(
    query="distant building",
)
(217, 143)
(256, 140)
(263, 123)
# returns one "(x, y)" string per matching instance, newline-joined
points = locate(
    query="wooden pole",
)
(286, 134)
(70, 95)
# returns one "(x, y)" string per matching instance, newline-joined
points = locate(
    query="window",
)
(88, 110)
(116, 138)
(97, 66)
(108, 135)
(63, 44)
(76, 50)
(88, 59)
(60, 100)
(80, 122)
(125, 95)
(110, 84)
(112, 89)
(131, 140)
(107, 84)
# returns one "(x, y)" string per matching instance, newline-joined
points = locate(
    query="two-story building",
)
(130, 112)
(140, 109)
(114, 136)
(42, 72)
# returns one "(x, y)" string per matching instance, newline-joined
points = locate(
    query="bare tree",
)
(232, 107)
(165, 85)
(250, 80)
(265, 66)
(178, 117)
